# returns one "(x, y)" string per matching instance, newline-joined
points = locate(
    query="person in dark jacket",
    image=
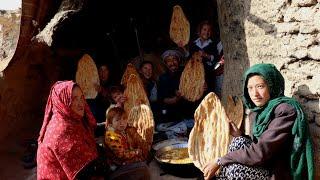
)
(280, 145)
(211, 51)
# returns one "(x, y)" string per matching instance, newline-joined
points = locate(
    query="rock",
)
(305, 14)
(314, 52)
(299, 53)
(308, 28)
(304, 2)
(304, 40)
(289, 15)
(288, 28)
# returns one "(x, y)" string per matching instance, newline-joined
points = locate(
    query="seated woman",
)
(67, 148)
(280, 146)
(146, 70)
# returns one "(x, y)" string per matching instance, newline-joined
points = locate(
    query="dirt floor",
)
(11, 166)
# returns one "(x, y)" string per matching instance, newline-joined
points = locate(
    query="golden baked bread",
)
(235, 110)
(192, 79)
(209, 138)
(87, 77)
(179, 27)
(129, 70)
(135, 94)
(143, 124)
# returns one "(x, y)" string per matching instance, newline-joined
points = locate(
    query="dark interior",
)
(108, 31)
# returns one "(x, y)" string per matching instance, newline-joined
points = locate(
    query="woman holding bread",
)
(280, 145)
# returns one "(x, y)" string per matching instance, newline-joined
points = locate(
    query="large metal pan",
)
(178, 169)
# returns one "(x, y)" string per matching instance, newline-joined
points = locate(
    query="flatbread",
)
(143, 123)
(235, 110)
(192, 79)
(135, 94)
(87, 77)
(129, 70)
(209, 138)
(179, 27)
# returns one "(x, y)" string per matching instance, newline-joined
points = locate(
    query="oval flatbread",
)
(143, 123)
(192, 79)
(135, 94)
(209, 138)
(87, 76)
(129, 70)
(235, 110)
(179, 27)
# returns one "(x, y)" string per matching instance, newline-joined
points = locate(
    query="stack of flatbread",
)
(129, 70)
(87, 76)
(179, 27)
(143, 123)
(135, 94)
(192, 79)
(209, 138)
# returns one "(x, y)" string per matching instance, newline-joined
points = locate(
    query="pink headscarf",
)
(59, 102)
(66, 141)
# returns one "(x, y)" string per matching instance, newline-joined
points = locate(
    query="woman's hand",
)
(210, 169)
(234, 131)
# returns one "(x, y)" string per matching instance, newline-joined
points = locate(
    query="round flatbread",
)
(142, 120)
(209, 138)
(179, 27)
(129, 70)
(192, 79)
(235, 110)
(135, 94)
(87, 77)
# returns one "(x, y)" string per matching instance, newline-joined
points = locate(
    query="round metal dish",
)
(182, 170)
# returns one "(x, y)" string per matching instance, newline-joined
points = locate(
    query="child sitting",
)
(117, 141)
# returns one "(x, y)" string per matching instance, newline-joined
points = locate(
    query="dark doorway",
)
(107, 31)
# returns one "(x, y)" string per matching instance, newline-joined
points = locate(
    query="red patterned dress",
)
(66, 141)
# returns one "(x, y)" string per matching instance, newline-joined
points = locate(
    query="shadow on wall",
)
(311, 106)
(263, 24)
(232, 18)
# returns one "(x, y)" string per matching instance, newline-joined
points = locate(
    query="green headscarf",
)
(302, 154)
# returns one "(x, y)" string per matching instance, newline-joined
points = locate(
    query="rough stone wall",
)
(24, 88)
(283, 32)
(9, 33)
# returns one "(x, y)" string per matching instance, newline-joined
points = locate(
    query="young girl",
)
(211, 51)
(116, 139)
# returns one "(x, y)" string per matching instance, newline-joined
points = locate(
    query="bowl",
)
(175, 166)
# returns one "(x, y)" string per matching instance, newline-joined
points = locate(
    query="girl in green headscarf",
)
(280, 145)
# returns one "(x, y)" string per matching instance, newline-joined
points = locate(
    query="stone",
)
(314, 84)
(308, 28)
(300, 53)
(304, 40)
(305, 14)
(314, 52)
(288, 28)
(304, 2)
(313, 106)
(289, 15)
